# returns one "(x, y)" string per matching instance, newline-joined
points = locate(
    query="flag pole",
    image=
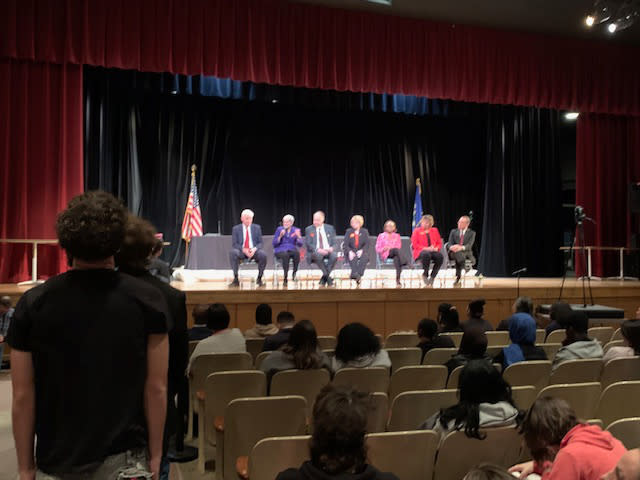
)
(188, 240)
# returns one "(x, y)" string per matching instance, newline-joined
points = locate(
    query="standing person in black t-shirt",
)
(89, 358)
(134, 258)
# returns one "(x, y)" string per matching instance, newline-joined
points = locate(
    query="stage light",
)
(174, 92)
(612, 27)
(571, 115)
(274, 101)
(589, 20)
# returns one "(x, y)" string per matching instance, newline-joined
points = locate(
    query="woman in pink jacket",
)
(389, 245)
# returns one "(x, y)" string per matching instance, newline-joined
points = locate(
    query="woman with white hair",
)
(286, 242)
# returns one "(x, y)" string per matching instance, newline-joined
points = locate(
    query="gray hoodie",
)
(577, 351)
(381, 359)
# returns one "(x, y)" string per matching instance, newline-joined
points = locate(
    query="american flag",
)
(192, 223)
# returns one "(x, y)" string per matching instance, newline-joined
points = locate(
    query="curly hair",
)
(356, 340)
(340, 416)
(92, 226)
(137, 246)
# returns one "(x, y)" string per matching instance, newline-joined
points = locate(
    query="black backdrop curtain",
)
(300, 157)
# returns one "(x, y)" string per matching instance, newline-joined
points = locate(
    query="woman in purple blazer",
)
(286, 242)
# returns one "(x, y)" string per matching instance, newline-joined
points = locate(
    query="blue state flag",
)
(417, 205)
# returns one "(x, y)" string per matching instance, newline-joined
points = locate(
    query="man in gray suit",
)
(461, 241)
(320, 240)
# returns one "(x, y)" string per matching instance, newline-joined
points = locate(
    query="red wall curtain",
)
(40, 158)
(607, 161)
(278, 42)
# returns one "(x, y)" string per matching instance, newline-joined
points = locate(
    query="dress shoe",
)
(329, 282)
(235, 283)
(259, 282)
(323, 280)
(285, 282)
(430, 282)
(293, 277)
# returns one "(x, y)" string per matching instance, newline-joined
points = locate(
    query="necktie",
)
(246, 237)
(320, 241)
(461, 237)
(357, 240)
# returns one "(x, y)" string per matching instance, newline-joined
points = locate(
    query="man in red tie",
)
(246, 243)
(460, 243)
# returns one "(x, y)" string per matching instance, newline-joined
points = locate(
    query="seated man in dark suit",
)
(320, 239)
(246, 242)
(461, 241)
(285, 321)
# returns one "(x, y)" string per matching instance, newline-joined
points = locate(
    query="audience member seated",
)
(563, 448)
(6, 313)
(337, 447)
(448, 318)
(628, 468)
(488, 471)
(522, 333)
(199, 330)
(358, 347)
(472, 347)
(522, 306)
(631, 335)
(301, 352)
(158, 267)
(285, 321)
(577, 343)
(559, 315)
(264, 326)
(429, 338)
(223, 339)
(484, 401)
(475, 312)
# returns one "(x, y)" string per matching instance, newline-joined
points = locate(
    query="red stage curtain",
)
(607, 161)
(40, 158)
(284, 43)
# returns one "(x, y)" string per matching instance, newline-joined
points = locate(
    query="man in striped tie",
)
(461, 241)
(246, 243)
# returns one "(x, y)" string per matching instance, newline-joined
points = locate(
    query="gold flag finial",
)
(193, 170)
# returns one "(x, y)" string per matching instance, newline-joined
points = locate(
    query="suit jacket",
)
(468, 240)
(237, 236)
(349, 244)
(311, 239)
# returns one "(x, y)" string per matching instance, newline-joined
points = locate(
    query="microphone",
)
(518, 272)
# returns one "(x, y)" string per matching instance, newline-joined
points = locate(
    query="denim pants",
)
(116, 467)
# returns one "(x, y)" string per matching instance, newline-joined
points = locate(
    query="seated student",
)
(473, 346)
(630, 330)
(337, 447)
(264, 326)
(577, 343)
(559, 314)
(429, 338)
(223, 339)
(448, 318)
(301, 352)
(488, 471)
(522, 333)
(563, 448)
(484, 401)
(285, 321)
(522, 306)
(475, 312)
(357, 346)
(199, 330)
(628, 468)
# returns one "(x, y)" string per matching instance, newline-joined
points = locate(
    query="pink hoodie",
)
(586, 453)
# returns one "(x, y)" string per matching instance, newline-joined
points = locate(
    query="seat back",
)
(379, 413)
(459, 453)
(388, 452)
(611, 344)
(577, 371)
(326, 342)
(270, 456)
(583, 397)
(494, 350)
(374, 379)
(454, 377)
(306, 383)
(602, 334)
(455, 336)
(557, 336)
(401, 340)
(249, 420)
(541, 334)
(439, 356)
(206, 364)
(498, 338)
(619, 370)
(627, 430)
(619, 400)
(254, 346)
(260, 358)
(419, 377)
(523, 396)
(550, 349)
(410, 409)
(535, 373)
(617, 335)
(192, 346)
(404, 357)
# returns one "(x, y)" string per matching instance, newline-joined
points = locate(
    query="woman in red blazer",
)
(426, 243)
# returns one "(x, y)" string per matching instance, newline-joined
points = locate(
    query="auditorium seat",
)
(535, 373)
(401, 340)
(617, 335)
(494, 350)
(627, 430)
(420, 377)
(497, 338)
(550, 349)
(523, 396)
(602, 334)
(192, 346)
(596, 422)
(249, 420)
(454, 378)
(577, 371)
(456, 337)
(583, 397)
(271, 456)
(374, 379)
(410, 409)
(219, 390)
(611, 344)
(557, 336)
(619, 400)
(541, 334)
(408, 455)
(326, 342)
(459, 453)
(260, 358)
(620, 369)
(404, 357)
(306, 383)
(379, 413)
(439, 356)
(329, 353)
(254, 346)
